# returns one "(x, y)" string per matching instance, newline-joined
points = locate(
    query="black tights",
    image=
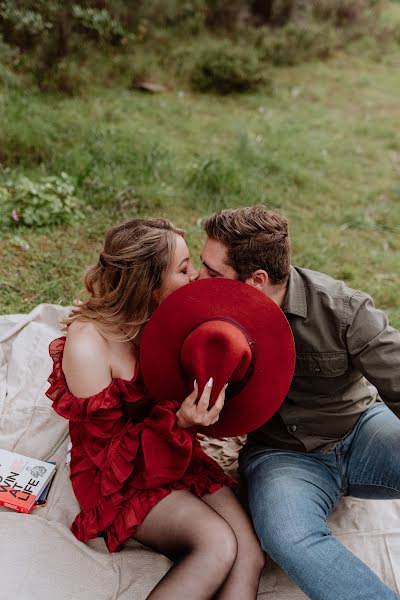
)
(212, 543)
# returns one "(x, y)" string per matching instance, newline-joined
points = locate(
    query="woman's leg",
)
(242, 582)
(202, 543)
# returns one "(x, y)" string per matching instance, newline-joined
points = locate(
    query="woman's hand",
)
(197, 413)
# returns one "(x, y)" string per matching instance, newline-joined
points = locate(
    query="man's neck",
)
(277, 292)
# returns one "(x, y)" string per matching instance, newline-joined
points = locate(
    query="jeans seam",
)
(339, 466)
(389, 487)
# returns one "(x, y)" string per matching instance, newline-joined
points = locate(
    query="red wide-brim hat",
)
(227, 330)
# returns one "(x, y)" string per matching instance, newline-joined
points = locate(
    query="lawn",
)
(324, 148)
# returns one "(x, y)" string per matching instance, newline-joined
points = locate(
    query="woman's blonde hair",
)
(120, 287)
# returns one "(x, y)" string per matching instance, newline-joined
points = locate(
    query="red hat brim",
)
(261, 317)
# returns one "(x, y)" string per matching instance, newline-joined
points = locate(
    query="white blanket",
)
(42, 560)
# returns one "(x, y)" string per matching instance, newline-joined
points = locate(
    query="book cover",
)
(22, 479)
(42, 500)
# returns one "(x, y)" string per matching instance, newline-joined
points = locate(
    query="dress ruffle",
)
(78, 409)
(128, 453)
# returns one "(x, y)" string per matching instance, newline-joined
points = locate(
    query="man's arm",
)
(374, 348)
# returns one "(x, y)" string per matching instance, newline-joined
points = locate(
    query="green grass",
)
(324, 148)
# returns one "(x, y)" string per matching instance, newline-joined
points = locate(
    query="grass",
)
(323, 148)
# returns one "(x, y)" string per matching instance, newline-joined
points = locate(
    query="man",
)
(334, 434)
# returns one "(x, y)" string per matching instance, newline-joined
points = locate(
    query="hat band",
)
(233, 388)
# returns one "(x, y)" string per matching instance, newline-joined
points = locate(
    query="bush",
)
(298, 42)
(52, 31)
(9, 58)
(26, 23)
(7, 78)
(186, 17)
(226, 14)
(314, 29)
(98, 23)
(224, 68)
(23, 24)
(49, 201)
(9, 55)
(340, 13)
(66, 77)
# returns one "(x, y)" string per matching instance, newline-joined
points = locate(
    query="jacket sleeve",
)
(374, 348)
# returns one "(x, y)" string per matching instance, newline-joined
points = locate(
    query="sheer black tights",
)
(203, 546)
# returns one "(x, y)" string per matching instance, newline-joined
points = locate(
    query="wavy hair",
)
(119, 288)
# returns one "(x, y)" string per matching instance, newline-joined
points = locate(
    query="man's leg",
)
(290, 495)
(372, 455)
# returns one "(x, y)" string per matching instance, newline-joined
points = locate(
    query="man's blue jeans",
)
(291, 493)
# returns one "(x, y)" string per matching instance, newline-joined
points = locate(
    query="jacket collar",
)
(295, 301)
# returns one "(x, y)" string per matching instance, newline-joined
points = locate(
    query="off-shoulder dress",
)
(128, 453)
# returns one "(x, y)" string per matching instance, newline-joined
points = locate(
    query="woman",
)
(137, 468)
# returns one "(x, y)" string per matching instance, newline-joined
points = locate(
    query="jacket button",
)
(292, 428)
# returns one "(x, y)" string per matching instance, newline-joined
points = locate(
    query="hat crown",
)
(218, 349)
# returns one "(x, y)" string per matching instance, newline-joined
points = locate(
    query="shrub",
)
(24, 23)
(187, 17)
(98, 23)
(341, 13)
(66, 77)
(49, 201)
(9, 58)
(226, 14)
(7, 78)
(225, 68)
(298, 42)
(9, 55)
(52, 30)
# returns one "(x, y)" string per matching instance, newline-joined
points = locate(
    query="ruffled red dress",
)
(128, 453)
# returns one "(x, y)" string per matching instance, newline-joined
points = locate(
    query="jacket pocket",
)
(321, 364)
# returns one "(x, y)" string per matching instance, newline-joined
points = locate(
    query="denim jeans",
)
(291, 493)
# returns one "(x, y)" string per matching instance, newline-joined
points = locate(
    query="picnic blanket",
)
(40, 557)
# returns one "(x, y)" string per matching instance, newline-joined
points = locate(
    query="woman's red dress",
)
(128, 453)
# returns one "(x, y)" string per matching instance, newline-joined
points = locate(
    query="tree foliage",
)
(30, 23)
(60, 37)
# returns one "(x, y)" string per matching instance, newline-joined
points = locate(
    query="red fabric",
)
(128, 453)
(227, 330)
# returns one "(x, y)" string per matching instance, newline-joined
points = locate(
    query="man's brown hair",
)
(256, 238)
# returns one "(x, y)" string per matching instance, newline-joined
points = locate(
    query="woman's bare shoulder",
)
(86, 363)
(80, 328)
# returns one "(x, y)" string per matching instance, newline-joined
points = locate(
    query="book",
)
(42, 500)
(22, 480)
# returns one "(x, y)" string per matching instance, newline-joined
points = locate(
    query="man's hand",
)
(197, 413)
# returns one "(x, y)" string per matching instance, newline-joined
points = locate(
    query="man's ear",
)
(258, 279)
